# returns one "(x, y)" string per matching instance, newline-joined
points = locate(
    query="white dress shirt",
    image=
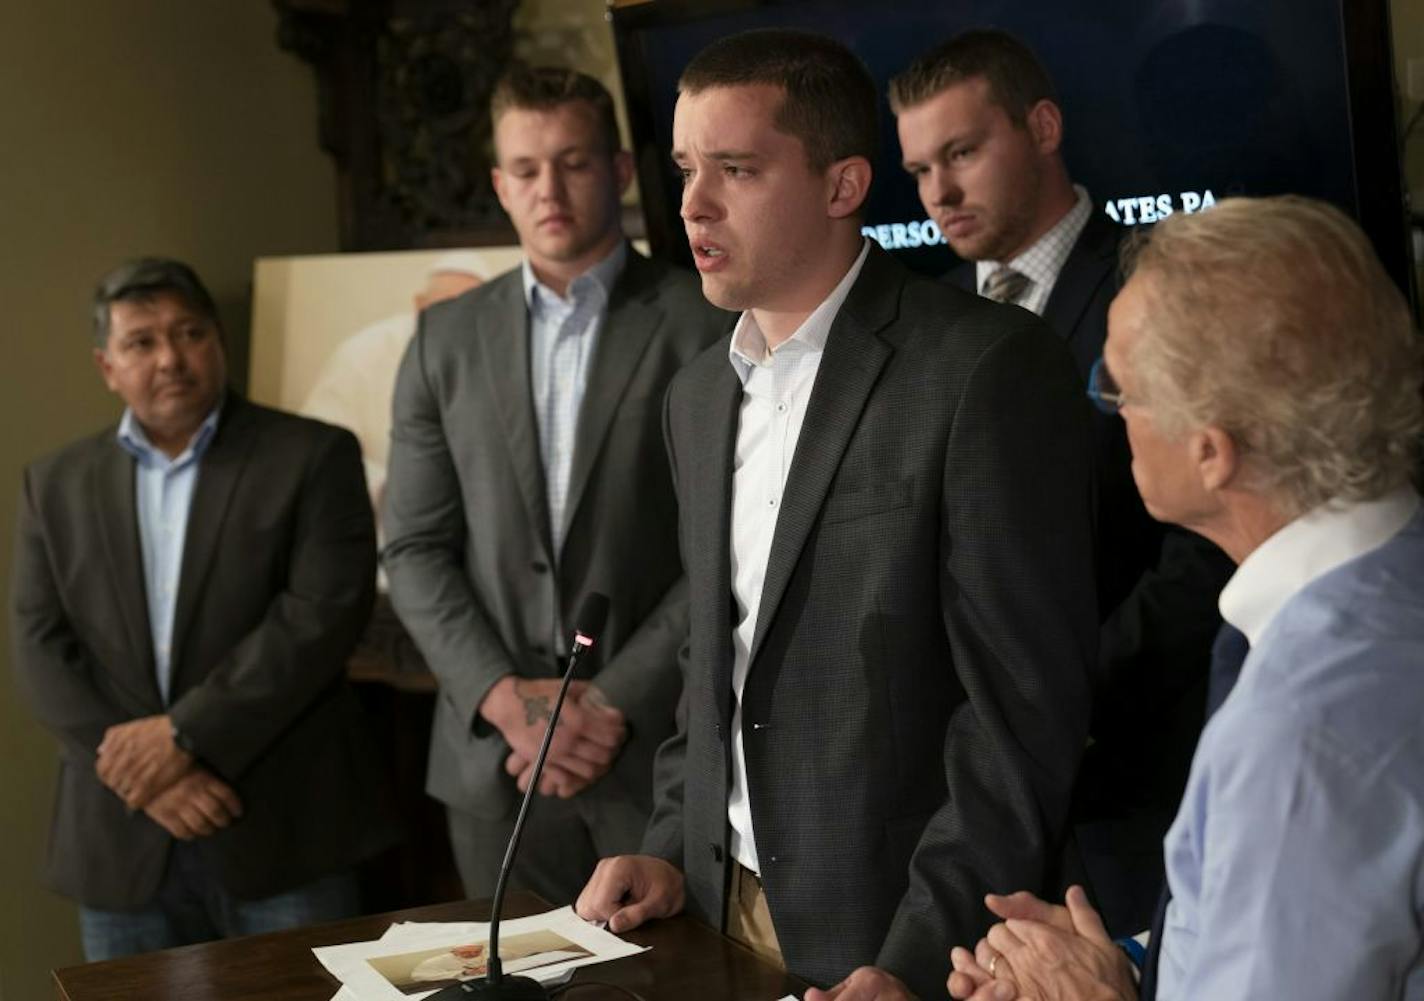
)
(1307, 548)
(776, 387)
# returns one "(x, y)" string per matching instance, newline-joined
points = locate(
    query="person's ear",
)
(105, 367)
(623, 171)
(1215, 456)
(1045, 126)
(849, 185)
(497, 182)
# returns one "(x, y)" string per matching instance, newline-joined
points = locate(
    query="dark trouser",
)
(191, 907)
(562, 842)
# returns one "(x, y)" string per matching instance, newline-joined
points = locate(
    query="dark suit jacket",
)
(917, 698)
(1157, 591)
(472, 570)
(275, 586)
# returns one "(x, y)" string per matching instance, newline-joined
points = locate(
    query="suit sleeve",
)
(55, 670)
(425, 541)
(640, 678)
(663, 835)
(300, 647)
(1018, 599)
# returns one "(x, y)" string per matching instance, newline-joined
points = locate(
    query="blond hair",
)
(1273, 319)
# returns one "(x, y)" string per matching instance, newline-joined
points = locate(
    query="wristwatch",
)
(182, 741)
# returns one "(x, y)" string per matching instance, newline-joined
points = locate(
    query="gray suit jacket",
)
(275, 587)
(918, 693)
(472, 572)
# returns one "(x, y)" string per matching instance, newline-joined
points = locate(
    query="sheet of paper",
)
(413, 960)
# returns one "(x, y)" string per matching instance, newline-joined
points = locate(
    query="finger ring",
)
(993, 962)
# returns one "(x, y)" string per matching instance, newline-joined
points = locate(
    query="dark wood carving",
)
(404, 93)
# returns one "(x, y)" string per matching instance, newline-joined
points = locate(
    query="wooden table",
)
(688, 962)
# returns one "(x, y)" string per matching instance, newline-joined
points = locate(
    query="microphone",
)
(496, 986)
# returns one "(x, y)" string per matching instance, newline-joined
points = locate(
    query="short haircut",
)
(829, 103)
(1017, 80)
(1273, 319)
(143, 278)
(545, 88)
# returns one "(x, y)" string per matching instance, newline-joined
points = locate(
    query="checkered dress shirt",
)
(563, 331)
(1041, 262)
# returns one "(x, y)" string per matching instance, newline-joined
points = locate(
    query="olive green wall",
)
(148, 126)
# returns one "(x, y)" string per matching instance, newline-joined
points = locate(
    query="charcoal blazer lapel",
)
(704, 476)
(854, 356)
(220, 470)
(113, 479)
(503, 348)
(1090, 263)
(633, 314)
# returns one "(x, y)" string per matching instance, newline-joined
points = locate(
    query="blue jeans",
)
(191, 907)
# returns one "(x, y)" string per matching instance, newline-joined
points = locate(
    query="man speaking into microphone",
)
(884, 508)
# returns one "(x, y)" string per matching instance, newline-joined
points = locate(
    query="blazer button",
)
(539, 566)
(716, 852)
(718, 727)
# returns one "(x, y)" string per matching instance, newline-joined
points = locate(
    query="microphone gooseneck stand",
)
(496, 986)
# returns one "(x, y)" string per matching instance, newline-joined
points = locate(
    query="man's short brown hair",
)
(1017, 80)
(829, 100)
(544, 88)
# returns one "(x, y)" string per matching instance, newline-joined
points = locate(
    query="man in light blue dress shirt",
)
(1269, 375)
(186, 590)
(527, 469)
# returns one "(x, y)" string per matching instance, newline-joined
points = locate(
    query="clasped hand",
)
(1042, 952)
(586, 742)
(140, 762)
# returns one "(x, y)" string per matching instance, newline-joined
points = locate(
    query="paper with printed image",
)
(413, 960)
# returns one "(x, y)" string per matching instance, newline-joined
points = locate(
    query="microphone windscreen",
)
(592, 614)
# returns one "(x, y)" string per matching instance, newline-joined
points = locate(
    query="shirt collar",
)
(1305, 549)
(134, 440)
(1044, 258)
(748, 348)
(601, 276)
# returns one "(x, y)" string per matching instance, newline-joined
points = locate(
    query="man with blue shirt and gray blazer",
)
(187, 588)
(527, 470)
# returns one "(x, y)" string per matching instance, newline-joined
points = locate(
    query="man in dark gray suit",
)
(527, 470)
(187, 588)
(981, 133)
(885, 512)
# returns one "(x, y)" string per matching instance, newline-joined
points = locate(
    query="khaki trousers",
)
(748, 918)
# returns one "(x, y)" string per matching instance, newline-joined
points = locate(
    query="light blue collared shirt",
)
(563, 331)
(1296, 861)
(163, 492)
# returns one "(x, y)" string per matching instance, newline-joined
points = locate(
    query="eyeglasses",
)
(1103, 390)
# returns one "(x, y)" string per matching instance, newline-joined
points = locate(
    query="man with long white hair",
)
(1269, 374)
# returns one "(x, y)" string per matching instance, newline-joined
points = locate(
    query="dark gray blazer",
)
(275, 587)
(472, 570)
(918, 693)
(1157, 591)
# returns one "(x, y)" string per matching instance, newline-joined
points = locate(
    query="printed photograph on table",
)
(429, 969)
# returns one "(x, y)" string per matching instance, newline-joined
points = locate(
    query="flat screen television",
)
(1169, 105)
